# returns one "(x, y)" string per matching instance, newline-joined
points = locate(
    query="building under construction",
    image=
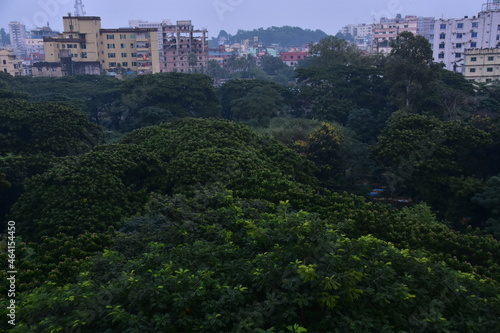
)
(184, 48)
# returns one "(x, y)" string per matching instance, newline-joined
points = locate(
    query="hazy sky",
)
(231, 15)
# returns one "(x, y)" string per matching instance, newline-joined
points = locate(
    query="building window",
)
(473, 44)
(123, 46)
(460, 25)
(134, 64)
(111, 55)
(459, 35)
(473, 59)
(111, 46)
(458, 45)
(123, 36)
(488, 80)
(83, 46)
(132, 36)
(84, 55)
(112, 64)
(475, 24)
(442, 36)
(490, 58)
(441, 56)
(124, 55)
(473, 34)
(125, 64)
(442, 26)
(71, 27)
(458, 55)
(4, 62)
(133, 55)
(110, 36)
(472, 70)
(489, 69)
(132, 46)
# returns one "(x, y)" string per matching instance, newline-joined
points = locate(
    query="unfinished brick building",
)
(184, 48)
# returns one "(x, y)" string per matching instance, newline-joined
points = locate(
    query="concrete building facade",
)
(454, 36)
(185, 49)
(388, 29)
(112, 50)
(18, 36)
(10, 64)
(482, 65)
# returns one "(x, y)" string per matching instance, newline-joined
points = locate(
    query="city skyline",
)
(231, 15)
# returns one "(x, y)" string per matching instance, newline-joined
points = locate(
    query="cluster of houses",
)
(468, 45)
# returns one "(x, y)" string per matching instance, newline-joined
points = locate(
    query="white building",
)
(453, 36)
(17, 32)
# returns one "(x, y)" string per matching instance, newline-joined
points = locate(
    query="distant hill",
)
(285, 36)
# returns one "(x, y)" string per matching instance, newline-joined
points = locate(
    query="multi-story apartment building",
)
(425, 27)
(184, 48)
(181, 47)
(482, 65)
(361, 34)
(10, 64)
(17, 32)
(33, 45)
(388, 29)
(454, 36)
(92, 48)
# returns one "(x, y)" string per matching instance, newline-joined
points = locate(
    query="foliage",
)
(49, 128)
(428, 157)
(489, 197)
(410, 69)
(338, 78)
(415, 228)
(322, 147)
(258, 103)
(284, 36)
(289, 130)
(235, 90)
(199, 152)
(271, 268)
(178, 94)
(87, 193)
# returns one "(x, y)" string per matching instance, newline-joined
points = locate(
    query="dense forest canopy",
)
(283, 36)
(363, 198)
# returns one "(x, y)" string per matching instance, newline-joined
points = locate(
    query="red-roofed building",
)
(292, 58)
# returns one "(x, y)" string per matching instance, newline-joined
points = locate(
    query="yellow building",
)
(110, 50)
(9, 63)
(482, 65)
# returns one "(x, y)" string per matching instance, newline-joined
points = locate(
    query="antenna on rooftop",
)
(79, 8)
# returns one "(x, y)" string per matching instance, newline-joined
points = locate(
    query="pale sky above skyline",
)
(231, 15)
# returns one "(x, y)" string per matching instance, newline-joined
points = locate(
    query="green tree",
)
(234, 90)
(182, 95)
(213, 257)
(51, 128)
(433, 160)
(271, 65)
(331, 51)
(489, 197)
(258, 103)
(409, 71)
(4, 37)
